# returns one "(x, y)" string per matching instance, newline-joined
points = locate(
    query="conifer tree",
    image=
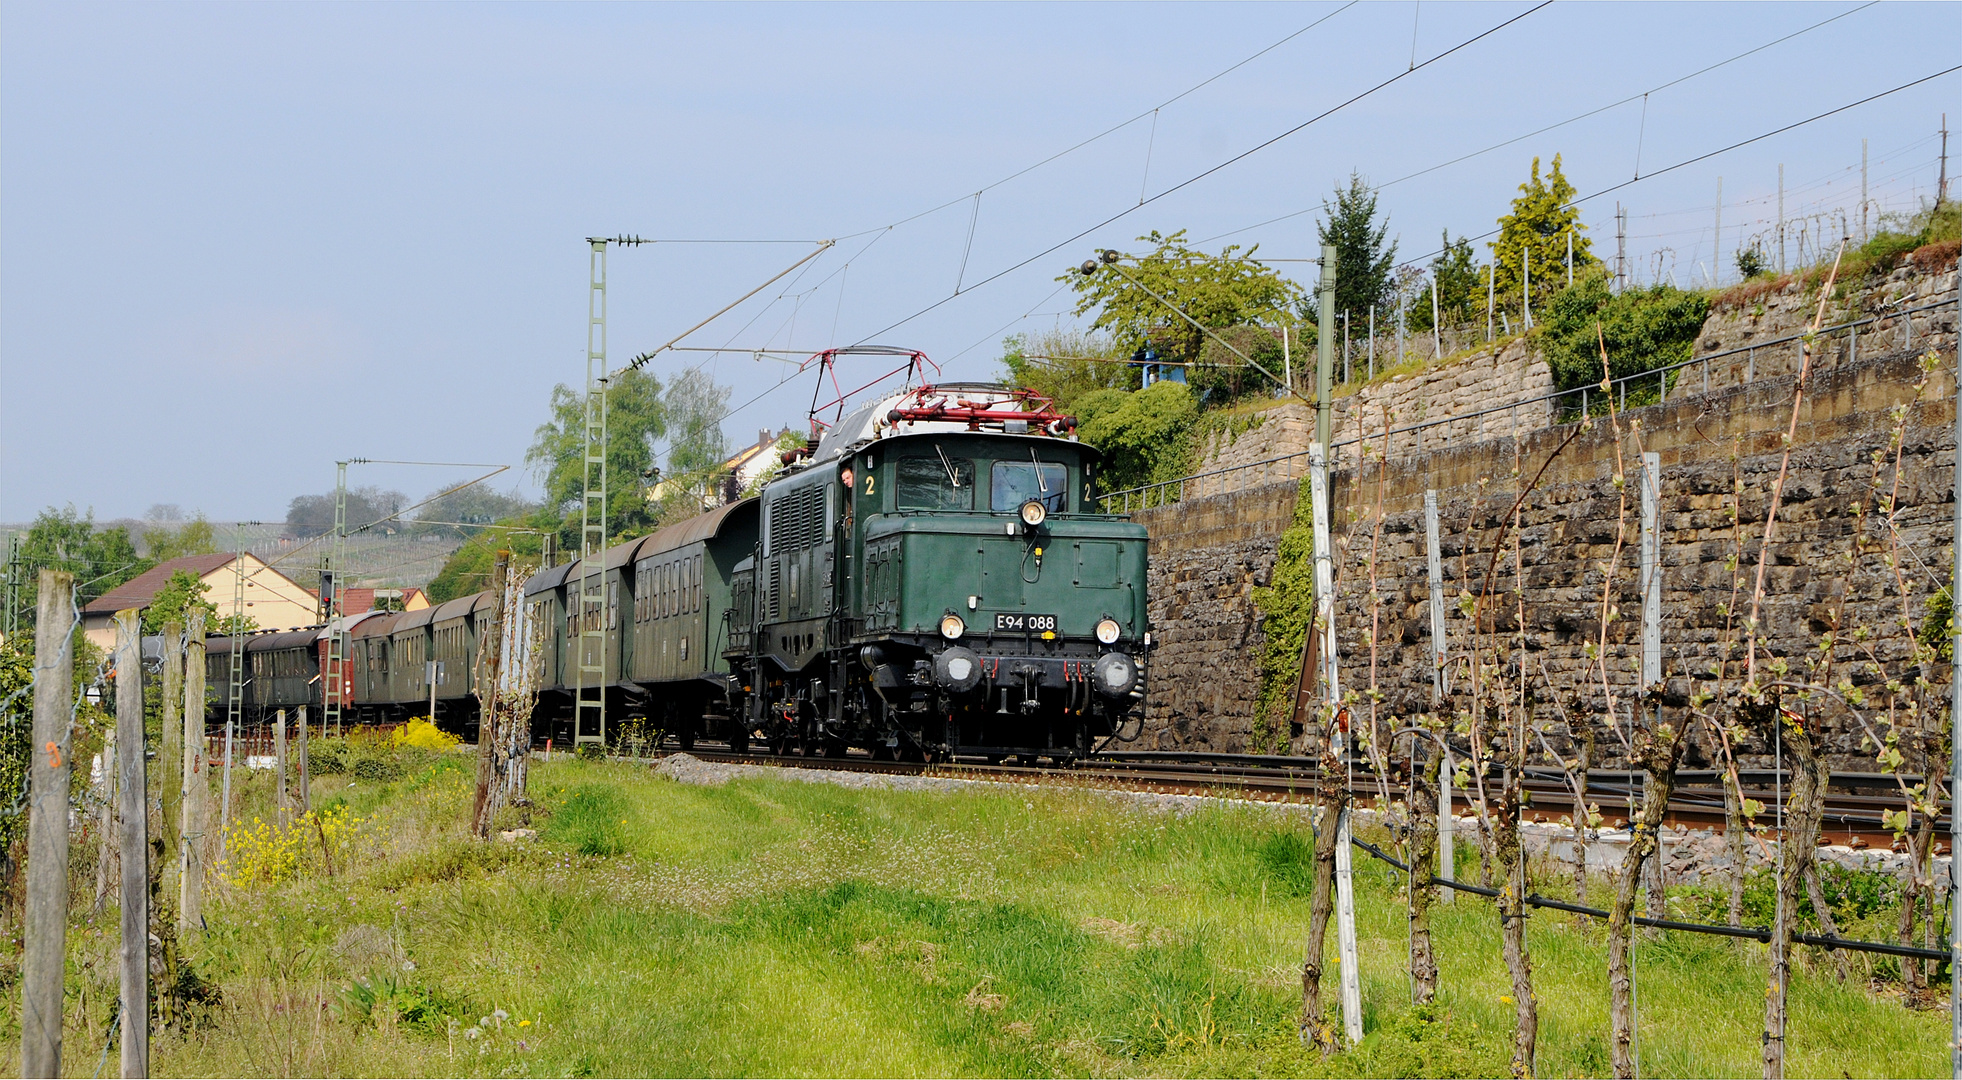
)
(1542, 218)
(1362, 260)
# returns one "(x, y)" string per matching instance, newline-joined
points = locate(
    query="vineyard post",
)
(1446, 856)
(1345, 885)
(196, 785)
(173, 690)
(135, 838)
(46, 931)
(1651, 581)
(301, 779)
(1955, 735)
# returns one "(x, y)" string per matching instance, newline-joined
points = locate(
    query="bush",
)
(422, 734)
(1644, 329)
(1145, 436)
(327, 757)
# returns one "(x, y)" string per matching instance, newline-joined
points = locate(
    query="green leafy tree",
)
(636, 417)
(174, 602)
(468, 569)
(694, 406)
(1535, 235)
(1363, 260)
(313, 515)
(476, 505)
(1145, 436)
(194, 537)
(1643, 329)
(1228, 289)
(1065, 364)
(100, 559)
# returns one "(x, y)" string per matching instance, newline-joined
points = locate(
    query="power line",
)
(1570, 120)
(1127, 211)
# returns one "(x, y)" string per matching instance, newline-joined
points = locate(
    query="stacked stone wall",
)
(1209, 554)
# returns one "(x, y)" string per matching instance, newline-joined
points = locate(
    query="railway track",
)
(1852, 814)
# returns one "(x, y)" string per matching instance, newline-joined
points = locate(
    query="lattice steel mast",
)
(589, 680)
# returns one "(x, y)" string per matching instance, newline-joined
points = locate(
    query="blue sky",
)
(270, 236)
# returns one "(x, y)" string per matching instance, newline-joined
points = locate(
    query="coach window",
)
(1016, 482)
(938, 482)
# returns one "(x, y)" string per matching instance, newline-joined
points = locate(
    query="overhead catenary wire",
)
(1598, 110)
(1203, 174)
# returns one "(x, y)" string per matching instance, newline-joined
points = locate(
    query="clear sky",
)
(238, 242)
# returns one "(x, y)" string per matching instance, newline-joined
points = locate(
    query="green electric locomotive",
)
(933, 578)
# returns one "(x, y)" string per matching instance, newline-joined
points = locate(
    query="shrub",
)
(1144, 436)
(327, 757)
(1644, 329)
(420, 733)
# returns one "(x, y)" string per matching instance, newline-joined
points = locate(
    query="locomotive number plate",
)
(1016, 623)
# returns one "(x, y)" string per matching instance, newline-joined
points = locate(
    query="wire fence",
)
(1737, 365)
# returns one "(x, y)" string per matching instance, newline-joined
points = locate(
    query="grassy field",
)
(770, 927)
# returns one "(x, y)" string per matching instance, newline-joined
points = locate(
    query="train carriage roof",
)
(414, 620)
(455, 609)
(548, 579)
(695, 530)
(377, 627)
(285, 639)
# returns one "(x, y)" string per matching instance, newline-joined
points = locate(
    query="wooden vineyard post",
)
(1345, 886)
(490, 652)
(196, 784)
(279, 766)
(171, 795)
(302, 780)
(135, 839)
(46, 931)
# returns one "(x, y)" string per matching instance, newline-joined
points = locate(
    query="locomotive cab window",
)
(938, 482)
(1016, 482)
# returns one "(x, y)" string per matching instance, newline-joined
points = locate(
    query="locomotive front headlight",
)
(1034, 513)
(951, 627)
(1107, 631)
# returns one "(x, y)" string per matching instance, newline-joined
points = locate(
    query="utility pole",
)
(235, 674)
(134, 833)
(333, 696)
(1717, 238)
(1781, 217)
(1525, 288)
(1621, 248)
(45, 935)
(589, 674)
(1325, 345)
(1941, 186)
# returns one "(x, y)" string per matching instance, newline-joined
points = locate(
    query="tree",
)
(313, 515)
(194, 537)
(694, 405)
(1145, 436)
(1460, 287)
(100, 559)
(174, 602)
(1215, 291)
(636, 417)
(1542, 218)
(473, 505)
(1362, 261)
(1065, 364)
(1643, 329)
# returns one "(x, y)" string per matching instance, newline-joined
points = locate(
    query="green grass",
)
(804, 929)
